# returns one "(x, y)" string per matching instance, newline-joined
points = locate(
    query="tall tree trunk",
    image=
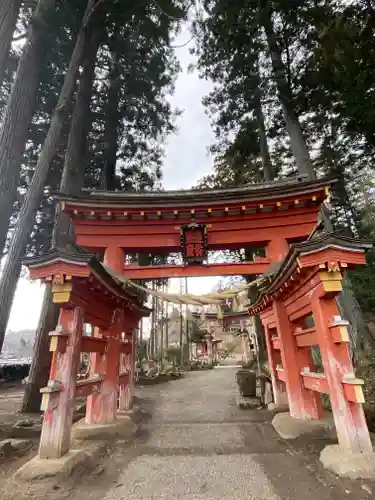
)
(108, 181)
(9, 10)
(297, 141)
(19, 111)
(71, 183)
(40, 365)
(34, 194)
(268, 169)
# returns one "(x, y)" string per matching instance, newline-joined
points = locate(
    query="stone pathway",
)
(195, 444)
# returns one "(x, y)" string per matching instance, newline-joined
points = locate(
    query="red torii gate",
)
(273, 215)
(86, 292)
(270, 215)
(306, 286)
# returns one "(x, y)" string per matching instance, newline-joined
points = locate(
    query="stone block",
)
(42, 468)
(9, 446)
(122, 427)
(26, 429)
(128, 413)
(345, 463)
(292, 428)
(247, 403)
(278, 408)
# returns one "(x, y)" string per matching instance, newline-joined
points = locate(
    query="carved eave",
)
(327, 253)
(119, 286)
(275, 195)
(58, 262)
(66, 269)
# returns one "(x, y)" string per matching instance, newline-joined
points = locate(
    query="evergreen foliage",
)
(321, 82)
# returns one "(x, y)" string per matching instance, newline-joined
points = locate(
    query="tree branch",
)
(19, 37)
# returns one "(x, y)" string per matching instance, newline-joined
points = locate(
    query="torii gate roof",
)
(61, 265)
(327, 251)
(272, 190)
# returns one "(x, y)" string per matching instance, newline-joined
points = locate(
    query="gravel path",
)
(195, 444)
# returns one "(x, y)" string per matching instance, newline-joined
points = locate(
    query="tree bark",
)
(34, 194)
(9, 10)
(297, 141)
(71, 183)
(19, 111)
(108, 182)
(268, 169)
(40, 365)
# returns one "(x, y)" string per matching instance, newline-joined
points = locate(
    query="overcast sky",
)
(187, 160)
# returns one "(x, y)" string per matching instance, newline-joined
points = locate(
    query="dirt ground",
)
(193, 444)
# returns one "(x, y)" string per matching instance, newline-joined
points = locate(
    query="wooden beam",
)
(305, 337)
(276, 343)
(170, 242)
(281, 375)
(125, 347)
(93, 344)
(315, 382)
(172, 271)
(85, 388)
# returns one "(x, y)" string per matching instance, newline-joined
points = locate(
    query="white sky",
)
(186, 161)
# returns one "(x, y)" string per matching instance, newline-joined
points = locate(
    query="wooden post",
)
(350, 421)
(303, 403)
(59, 396)
(204, 348)
(280, 396)
(245, 347)
(277, 249)
(104, 405)
(114, 257)
(209, 349)
(126, 398)
(98, 367)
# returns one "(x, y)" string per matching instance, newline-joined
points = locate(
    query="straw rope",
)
(213, 298)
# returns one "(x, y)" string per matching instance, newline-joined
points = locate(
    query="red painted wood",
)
(259, 266)
(104, 406)
(315, 383)
(351, 426)
(114, 257)
(303, 404)
(170, 227)
(353, 393)
(123, 379)
(92, 344)
(281, 375)
(58, 269)
(273, 359)
(277, 248)
(218, 240)
(86, 387)
(126, 399)
(276, 343)
(333, 255)
(305, 337)
(184, 206)
(97, 366)
(58, 417)
(126, 348)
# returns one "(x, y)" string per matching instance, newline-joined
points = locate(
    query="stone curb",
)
(345, 463)
(291, 428)
(84, 454)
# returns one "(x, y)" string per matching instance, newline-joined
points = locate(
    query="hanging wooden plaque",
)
(194, 243)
